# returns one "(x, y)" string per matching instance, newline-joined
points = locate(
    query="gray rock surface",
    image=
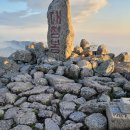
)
(96, 121)
(22, 127)
(5, 124)
(60, 30)
(51, 125)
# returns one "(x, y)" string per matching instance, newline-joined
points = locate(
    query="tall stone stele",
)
(60, 30)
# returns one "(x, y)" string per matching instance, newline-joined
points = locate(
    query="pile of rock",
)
(38, 92)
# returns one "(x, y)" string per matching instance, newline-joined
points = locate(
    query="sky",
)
(98, 21)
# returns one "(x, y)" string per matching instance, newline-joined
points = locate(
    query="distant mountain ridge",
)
(9, 47)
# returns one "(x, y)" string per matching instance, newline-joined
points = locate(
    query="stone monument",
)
(118, 114)
(60, 31)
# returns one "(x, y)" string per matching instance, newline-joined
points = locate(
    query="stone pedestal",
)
(117, 119)
(60, 30)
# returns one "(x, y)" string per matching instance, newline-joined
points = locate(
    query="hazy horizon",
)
(99, 22)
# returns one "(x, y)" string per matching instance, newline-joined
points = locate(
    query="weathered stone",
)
(102, 50)
(37, 106)
(85, 72)
(51, 125)
(20, 101)
(57, 79)
(39, 126)
(122, 67)
(125, 105)
(104, 98)
(123, 57)
(22, 55)
(60, 70)
(60, 30)
(68, 88)
(96, 121)
(38, 75)
(118, 92)
(93, 106)
(66, 108)
(41, 81)
(45, 114)
(72, 71)
(84, 44)
(18, 87)
(69, 97)
(10, 98)
(25, 105)
(85, 64)
(126, 86)
(72, 126)
(87, 92)
(22, 127)
(77, 116)
(116, 119)
(5, 124)
(34, 91)
(78, 50)
(80, 101)
(43, 98)
(22, 78)
(105, 68)
(93, 84)
(25, 118)
(57, 119)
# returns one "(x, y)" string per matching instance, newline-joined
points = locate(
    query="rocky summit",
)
(38, 92)
(63, 87)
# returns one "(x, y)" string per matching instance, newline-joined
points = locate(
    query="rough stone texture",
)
(57, 79)
(77, 116)
(105, 68)
(72, 71)
(93, 84)
(22, 55)
(87, 92)
(68, 88)
(69, 97)
(34, 91)
(84, 44)
(22, 127)
(22, 78)
(96, 121)
(5, 124)
(66, 108)
(25, 118)
(72, 126)
(18, 87)
(43, 98)
(10, 98)
(116, 119)
(93, 106)
(60, 70)
(102, 50)
(118, 92)
(122, 67)
(123, 57)
(45, 114)
(39, 126)
(20, 101)
(84, 64)
(41, 81)
(60, 30)
(51, 125)
(1, 113)
(85, 72)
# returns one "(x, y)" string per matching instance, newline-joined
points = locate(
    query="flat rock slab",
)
(68, 88)
(43, 98)
(60, 30)
(34, 91)
(18, 87)
(57, 79)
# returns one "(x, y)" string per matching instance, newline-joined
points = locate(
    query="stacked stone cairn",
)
(38, 92)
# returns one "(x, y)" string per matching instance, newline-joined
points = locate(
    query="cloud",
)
(86, 8)
(81, 10)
